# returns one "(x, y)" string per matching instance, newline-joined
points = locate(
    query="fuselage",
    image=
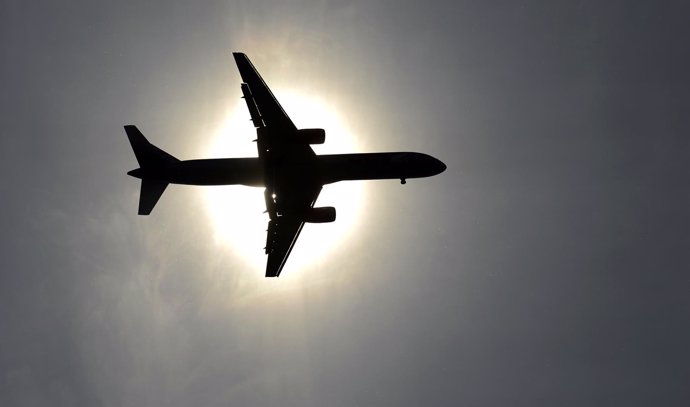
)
(325, 169)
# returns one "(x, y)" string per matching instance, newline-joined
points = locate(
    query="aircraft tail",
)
(152, 161)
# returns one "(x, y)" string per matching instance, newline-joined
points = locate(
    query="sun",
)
(236, 212)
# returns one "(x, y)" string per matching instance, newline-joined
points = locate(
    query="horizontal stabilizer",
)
(147, 154)
(153, 161)
(151, 191)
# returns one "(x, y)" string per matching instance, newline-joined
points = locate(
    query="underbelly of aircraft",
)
(226, 171)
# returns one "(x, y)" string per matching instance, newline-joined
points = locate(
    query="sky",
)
(548, 265)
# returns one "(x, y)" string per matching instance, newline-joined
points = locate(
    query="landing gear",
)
(403, 181)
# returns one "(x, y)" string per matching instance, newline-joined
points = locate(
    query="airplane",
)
(291, 174)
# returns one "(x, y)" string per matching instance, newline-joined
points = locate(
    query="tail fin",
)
(150, 158)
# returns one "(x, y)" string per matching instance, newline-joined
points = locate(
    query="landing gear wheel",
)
(403, 181)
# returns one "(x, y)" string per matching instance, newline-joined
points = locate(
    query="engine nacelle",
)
(311, 136)
(320, 215)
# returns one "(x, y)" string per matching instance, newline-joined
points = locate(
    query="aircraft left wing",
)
(277, 139)
(270, 110)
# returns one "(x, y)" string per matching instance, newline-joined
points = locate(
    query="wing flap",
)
(251, 106)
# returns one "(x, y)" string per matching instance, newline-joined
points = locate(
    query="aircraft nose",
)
(439, 166)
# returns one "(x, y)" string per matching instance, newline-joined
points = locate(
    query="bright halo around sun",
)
(237, 211)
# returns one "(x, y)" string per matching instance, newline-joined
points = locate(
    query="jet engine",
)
(320, 215)
(311, 136)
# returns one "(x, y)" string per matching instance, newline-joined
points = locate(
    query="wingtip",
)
(131, 130)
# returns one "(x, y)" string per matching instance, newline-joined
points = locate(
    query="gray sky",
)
(547, 266)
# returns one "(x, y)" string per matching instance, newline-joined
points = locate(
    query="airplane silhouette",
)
(289, 170)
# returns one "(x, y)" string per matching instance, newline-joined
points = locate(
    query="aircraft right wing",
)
(284, 230)
(282, 235)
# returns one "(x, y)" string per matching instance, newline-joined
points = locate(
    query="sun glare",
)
(237, 211)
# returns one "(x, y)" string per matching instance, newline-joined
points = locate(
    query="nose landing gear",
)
(403, 181)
